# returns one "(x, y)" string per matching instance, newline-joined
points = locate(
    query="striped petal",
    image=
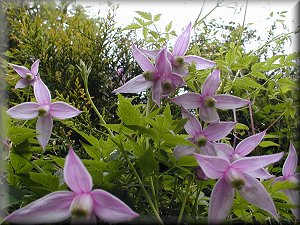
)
(24, 111)
(229, 102)
(41, 92)
(183, 41)
(44, 128)
(62, 110)
(141, 59)
(211, 84)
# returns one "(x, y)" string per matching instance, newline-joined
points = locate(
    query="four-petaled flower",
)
(202, 138)
(44, 110)
(81, 203)
(208, 101)
(289, 174)
(232, 176)
(160, 76)
(178, 59)
(28, 77)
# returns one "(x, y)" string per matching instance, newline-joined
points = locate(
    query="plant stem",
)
(196, 199)
(184, 201)
(154, 193)
(275, 121)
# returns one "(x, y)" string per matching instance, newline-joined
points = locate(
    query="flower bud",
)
(235, 178)
(82, 206)
(43, 110)
(210, 102)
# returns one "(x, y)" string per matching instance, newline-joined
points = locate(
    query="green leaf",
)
(145, 15)
(230, 57)
(20, 134)
(60, 161)
(19, 163)
(259, 75)
(157, 17)
(148, 163)
(129, 114)
(240, 126)
(187, 161)
(246, 82)
(287, 82)
(168, 27)
(10, 195)
(120, 128)
(90, 138)
(46, 180)
(265, 144)
(145, 32)
(142, 22)
(92, 151)
(283, 185)
(132, 26)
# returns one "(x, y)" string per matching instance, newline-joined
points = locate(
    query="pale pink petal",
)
(24, 111)
(200, 62)
(182, 42)
(261, 173)
(162, 63)
(255, 193)
(76, 175)
(135, 85)
(62, 110)
(248, 164)
(52, 208)
(212, 166)
(111, 209)
(156, 92)
(141, 59)
(281, 178)
(22, 83)
(208, 115)
(208, 149)
(192, 126)
(224, 150)
(150, 53)
(44, 128)
(21, 70)
(217, 131)
(41, 92)
(294, 197)
(35, 67)
(220, 202)
(189, 100)
(229, 102)
(176, 81)
(247, 145)
(211, 84)
(290, 164)
(181, 150)
(181, 70)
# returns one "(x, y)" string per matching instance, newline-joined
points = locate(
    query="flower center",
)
(179, 61)
(148, 75)
(201, 140)
(210, 102)
(43, 110)
(82, 206)
(235, 178)
(29, 77)
(166, 85)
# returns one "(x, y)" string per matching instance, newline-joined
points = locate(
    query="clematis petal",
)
(248, 164)
(290, 164)
(261, 173)
(229, 102)
(217, 131)
(220, 202)
(255, 193)
(156, 92)
(24, 111)
(183, 41)
(22, 83)
(52, 208)
(192, 126)
(181, 150)
(62, 110)
(183, 71)
(35, 67)
(212, 166)
(76, 175)
(224, 150)
(294, 197)
(41, 92)
(247, 145)
(208, 115)
(150, 53)
(111, 209)
(211, 84)
(44, 128)
(189, 100)
(141, 59)
(136, 84)
(21, 70)
(162, 63)
(209, 149)
(200, 62)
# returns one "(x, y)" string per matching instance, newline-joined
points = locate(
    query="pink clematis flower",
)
(208, 101)
(202, 138)
(178, 59)
(289, 173)
(242, 149)
(28, 77)
(44, 110)
(81, 203)
(233, 176)
(160, 77)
